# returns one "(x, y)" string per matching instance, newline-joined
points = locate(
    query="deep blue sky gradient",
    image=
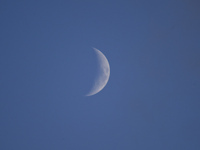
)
(47, 65)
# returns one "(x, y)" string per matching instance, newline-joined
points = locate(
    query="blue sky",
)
(47, 65)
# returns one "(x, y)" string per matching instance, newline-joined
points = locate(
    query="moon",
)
(103, 74)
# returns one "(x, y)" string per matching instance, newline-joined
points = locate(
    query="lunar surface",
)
(103, 74)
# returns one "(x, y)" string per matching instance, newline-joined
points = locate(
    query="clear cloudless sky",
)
(47, 65)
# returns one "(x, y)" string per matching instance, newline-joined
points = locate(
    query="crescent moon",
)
(103, 74)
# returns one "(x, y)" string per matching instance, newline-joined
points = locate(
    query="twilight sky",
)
(47, 65)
